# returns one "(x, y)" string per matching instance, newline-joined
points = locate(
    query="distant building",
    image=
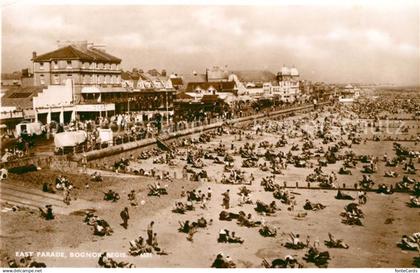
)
(217, 74)
(254, 83)
(11, 79)
(288, 84)
(225, 90)
(145, 81)
(261, 84)
(27, 78)
(176, 81)
(349, 94)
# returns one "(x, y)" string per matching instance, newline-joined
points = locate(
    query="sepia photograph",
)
(200, 135)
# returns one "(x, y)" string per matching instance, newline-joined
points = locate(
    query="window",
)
(41, 65)
(69, 64)
(56, 79)
(42, 79)
(55, 65)
(92, 79)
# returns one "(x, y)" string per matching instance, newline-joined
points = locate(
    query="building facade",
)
(82, 62)
(288, 84)
(81, 80)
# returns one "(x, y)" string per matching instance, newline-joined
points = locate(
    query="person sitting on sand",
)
(155, 244)
(49, 215)
(219, 262)
(132, 198)
(235, 239)
(191, 232)
(223, 237)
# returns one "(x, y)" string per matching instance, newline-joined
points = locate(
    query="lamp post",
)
(167, 108)
(128, 100)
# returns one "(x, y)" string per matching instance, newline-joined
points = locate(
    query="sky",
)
(336, 44)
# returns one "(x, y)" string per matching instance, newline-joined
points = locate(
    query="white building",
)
(288, 84)
(264, 84)
(349, 94)
(62, 109)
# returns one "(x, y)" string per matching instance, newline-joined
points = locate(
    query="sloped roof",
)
(255, 75)
(72, 53)
(153, 72)
(176, 81)
(219, 86)
(102, 55)
(127, 75)
(11, 76)
(183, 96)
(19, 97)
(210, 98)
(187, 78)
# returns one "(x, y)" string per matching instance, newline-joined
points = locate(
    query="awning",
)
(90, 90)
(95, 107)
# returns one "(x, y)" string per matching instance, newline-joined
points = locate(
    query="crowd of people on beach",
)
(315, 141)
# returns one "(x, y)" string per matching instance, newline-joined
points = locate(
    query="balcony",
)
(84, 70)
(11, 114)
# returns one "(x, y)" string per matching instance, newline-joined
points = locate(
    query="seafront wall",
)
(64, 162)
(146, 143)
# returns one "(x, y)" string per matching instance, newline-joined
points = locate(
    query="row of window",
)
(69, 65)
(288, 83)
(281, 90)
(92, 79)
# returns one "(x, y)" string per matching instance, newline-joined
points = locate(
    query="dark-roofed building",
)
(16, 104)
(130, 79)
(145, 81)
(194, 77)
(210, 98)
(154, 72)
(255, 76)
(81, 62)
(177, 82)
(225, 90)
(211, 87)
(182, 96)
(19, 97)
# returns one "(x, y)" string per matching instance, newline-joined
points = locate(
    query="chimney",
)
(25, 73)
(33, 54)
